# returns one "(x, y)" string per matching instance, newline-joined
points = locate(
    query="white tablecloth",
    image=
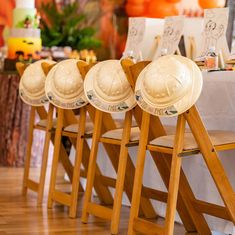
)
(217, 108)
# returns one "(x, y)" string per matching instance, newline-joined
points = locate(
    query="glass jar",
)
(212, 59)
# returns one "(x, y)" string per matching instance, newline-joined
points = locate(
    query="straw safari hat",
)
(169, 86)
(32, 83)
(64, 85)
(108, 89)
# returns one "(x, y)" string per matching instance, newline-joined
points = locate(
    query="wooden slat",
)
(154, 194)
(159, 149)
(132, 144)
(110, 141)
(174, 176)
(146, 227)
(45, 153)
(115, 220)
(41, 112)
(61, 197)
(28, 150)
(69, 134)
(211, 209)
(32, 185)
(83, 173)
(107, 181)
(100, 211)
(225, 147)
(38, 127)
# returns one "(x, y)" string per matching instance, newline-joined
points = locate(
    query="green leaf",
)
(66, 27)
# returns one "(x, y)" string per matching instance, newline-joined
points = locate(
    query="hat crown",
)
(67, 79)
(111, 83)
(166, 80)
(33, 79)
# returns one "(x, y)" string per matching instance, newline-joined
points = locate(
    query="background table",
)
(14, 120)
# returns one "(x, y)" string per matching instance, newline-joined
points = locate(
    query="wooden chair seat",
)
(43, 123)
(218, 138)
(89, 126)
(117, 134)
(74, 128)
(135, 133)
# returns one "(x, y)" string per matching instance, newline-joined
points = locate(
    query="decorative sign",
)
(214, 30)
(134, 38)
(141, 40)
(173, 30)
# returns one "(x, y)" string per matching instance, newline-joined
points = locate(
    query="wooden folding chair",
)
(179, 145)
(46, 124)
(78, 130)
(125, 137)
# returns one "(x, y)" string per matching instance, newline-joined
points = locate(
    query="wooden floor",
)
(20, 216)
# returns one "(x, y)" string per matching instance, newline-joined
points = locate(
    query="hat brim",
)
(73, 103)
(110, 107)
(179, 106)
(37, 100)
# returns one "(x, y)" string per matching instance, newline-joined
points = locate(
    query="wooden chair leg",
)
(78, 162)
(192, 219)
(136, 195)
(121, 174)
(57, 143)
(174, 177)
(45, 155)
(92, 165)
(28, 151)
(101, 189)
(212, 161)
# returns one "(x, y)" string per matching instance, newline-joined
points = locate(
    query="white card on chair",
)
(141, 39)
(214, 32)
(173, 30)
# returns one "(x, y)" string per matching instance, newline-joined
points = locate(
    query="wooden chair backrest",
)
(20, 67)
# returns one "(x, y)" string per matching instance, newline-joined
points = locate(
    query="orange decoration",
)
(135, 9)
(161, 9)
(136, 1)
(205, 4)
(173, 1)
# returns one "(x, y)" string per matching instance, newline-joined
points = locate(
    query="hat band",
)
(35, 102)
(168, 111)
(109, 108)
(77, 103)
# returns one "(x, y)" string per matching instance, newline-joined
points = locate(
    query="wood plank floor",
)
(20, 216)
